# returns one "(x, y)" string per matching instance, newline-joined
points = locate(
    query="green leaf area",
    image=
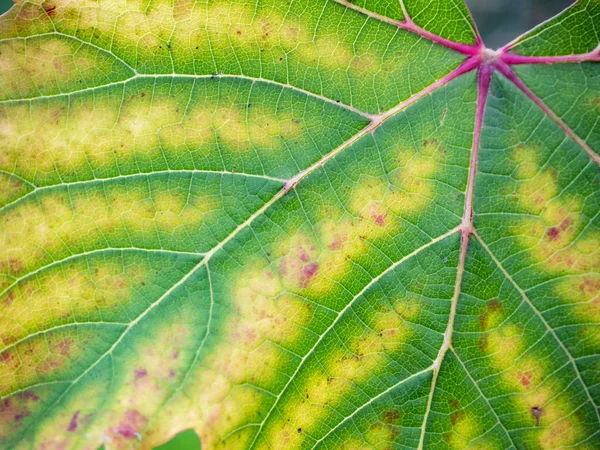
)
(297, 224)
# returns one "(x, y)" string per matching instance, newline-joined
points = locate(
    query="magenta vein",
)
(513, 59)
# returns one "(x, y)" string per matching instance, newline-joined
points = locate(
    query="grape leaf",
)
(317, 225)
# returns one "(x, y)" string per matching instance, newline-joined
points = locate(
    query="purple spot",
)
(73, 423)
(310, 270)
(175, 354)
(126, 431)
(132, 422)
(140, 373)
(28, 395)
(304, 256)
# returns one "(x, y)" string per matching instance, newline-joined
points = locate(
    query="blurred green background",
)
(499, 21)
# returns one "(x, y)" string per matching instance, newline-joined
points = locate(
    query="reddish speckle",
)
(379, 219)
(570, 261)
(119, 283)
(5, 357)
(553, 234)
(525, 378)
(297, 266)
(304, 256)
(64, 347)
(250, 333)
(566, 223)
(73, 423)
(335, 245)
(589, 286)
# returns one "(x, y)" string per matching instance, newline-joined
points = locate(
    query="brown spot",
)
(483, 320)
(537, 413)
(73, 423)
(453, 403)
(299, 430)
(391, 417)
(50, 8)
(482, 342)
(10, 297)
(16, 266)
(443, 118)
(456, 416)
(494, 305)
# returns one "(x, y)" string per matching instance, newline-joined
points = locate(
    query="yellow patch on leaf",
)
(51, 299)
(54, 225)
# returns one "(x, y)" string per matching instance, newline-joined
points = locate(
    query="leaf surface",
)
(320, 225)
